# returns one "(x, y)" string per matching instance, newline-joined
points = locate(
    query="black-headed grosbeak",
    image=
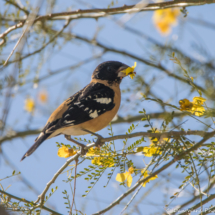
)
(90, 109)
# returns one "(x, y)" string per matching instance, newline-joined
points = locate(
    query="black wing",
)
(94, 100)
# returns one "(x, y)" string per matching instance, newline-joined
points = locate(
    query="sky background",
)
(40, 167)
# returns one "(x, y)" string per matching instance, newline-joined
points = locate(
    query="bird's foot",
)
(98, 142)
(84, 150)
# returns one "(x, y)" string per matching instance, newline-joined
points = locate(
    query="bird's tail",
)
(37, 143)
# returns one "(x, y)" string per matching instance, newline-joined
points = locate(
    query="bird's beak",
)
(122, 71)
(126, 70)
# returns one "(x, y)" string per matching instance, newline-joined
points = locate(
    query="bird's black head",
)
(110, 71)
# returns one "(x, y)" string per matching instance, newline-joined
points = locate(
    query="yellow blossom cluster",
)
(165, 19)
(195, 107)
(66, 152)
(104, 159)
(151, 150)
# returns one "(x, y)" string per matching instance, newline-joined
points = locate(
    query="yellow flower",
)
(146, 174)
(106, 161)
(198, 100)
(29, 105)
(43, 96)
(151, 150)
(93, 151)
(195, 107)
(165, 19)
(130, 71)
(185, 104)
(126, 176)
(66, 152)
(103, 161)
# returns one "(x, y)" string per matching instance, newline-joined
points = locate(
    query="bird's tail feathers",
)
(37, 143)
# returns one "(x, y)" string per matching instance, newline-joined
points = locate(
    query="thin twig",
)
(197, 196)
(26, 201)
(17, 6)
(74, 157)
(176, 158)
(73, 199)
(29, 22)
(44, 46)
(103, 12)
(188, 211)
(12, 28)
(137, 191)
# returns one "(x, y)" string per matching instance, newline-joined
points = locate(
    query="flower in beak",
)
(130, 71)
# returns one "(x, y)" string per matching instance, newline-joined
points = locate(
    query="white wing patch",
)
(86, 109)
(77, 103)
(66, 115)
(41, 134)
(68, 122)
(103, 100)
(94, 114)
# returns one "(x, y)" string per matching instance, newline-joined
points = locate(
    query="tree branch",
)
(176, 158)
(17, 6)
(157, 135)
(198, 205)
(21, 134)
(117, 137)
(26, 201)
(211, 184)
(12, 28)
(75, 157)
(97, 13)
(103, 12)
(208, 211)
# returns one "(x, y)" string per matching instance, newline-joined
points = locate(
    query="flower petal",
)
(65, 152)
(129, 180)
(120, 177)
(131, 170)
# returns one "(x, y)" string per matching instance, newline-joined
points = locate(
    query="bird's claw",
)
(83, 150)
(98, 142)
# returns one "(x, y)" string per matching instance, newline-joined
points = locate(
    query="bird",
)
(90, 109)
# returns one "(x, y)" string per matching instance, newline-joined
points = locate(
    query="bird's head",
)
(113, 71)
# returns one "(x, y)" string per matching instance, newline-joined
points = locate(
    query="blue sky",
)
(39, 168)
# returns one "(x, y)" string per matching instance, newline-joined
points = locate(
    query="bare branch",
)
(198, 205)
(26, 201)
(208, 211)
(97, 13)
(211, 184)
(157, 135)
(17, 6)
(12, 28)
(44, 46)
(117, 137)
